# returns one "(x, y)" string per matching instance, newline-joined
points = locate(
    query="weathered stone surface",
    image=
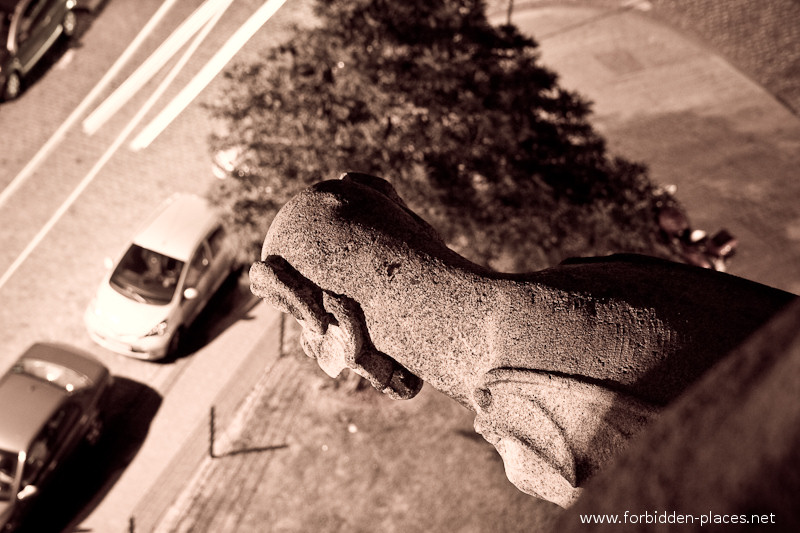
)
(724, 456)
(561, 366)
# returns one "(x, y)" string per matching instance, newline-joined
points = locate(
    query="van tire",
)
(69, 23)
(13, 86)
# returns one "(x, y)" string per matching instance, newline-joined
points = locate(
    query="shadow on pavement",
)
(243, 451)
(89, 475)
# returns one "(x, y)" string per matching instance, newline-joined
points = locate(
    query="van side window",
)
(35, 459)
(61, 424)
(216, 241)
(53, 435)
(30, 16)
(198, 266)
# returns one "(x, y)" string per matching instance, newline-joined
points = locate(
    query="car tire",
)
(13, 86)
(69, 23)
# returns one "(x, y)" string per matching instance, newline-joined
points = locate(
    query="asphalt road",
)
(69, 198)
(51, 266)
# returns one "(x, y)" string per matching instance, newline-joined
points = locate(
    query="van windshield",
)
(8, 471)
(147, 276)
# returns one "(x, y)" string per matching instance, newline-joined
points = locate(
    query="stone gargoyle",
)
(561, 366)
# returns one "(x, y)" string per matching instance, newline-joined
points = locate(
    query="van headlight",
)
(158, 330)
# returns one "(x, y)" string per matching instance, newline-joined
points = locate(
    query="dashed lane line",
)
(59, 134)
(153, 64)
(208, 72)
(112, 149)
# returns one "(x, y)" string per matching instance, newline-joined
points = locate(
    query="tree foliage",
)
(458, 114)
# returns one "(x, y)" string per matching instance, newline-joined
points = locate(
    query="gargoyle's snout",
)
(278, 283)
(334, 328)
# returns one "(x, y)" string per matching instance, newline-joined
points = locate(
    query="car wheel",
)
(13, 86)
(69, 23)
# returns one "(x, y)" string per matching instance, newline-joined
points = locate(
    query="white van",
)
(162, 281)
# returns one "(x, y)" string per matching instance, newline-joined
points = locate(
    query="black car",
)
(28, 29)
(52, 399)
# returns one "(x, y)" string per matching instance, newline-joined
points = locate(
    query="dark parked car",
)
(28, 29)
(51, 400)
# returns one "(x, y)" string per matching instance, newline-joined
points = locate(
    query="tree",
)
(458, 114)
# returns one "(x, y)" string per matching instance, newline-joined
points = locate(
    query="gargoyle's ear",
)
(570, 423)
(379, 184)
(385, 188)
(280, 284)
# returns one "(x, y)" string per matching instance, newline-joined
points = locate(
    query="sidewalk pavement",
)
(672, 103)
(223, 376)
(729, 146)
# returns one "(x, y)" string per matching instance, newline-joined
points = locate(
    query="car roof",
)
(178, 226)
(27, 404)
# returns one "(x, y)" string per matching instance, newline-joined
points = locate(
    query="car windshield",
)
(147, 276)
(66, 378)
(8, 471)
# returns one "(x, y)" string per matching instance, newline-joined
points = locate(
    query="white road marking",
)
(120, 139)
(153, 64)
(204, 77)
(59, 134)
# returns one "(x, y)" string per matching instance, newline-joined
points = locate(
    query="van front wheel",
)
(69, 23)
(13, 86)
